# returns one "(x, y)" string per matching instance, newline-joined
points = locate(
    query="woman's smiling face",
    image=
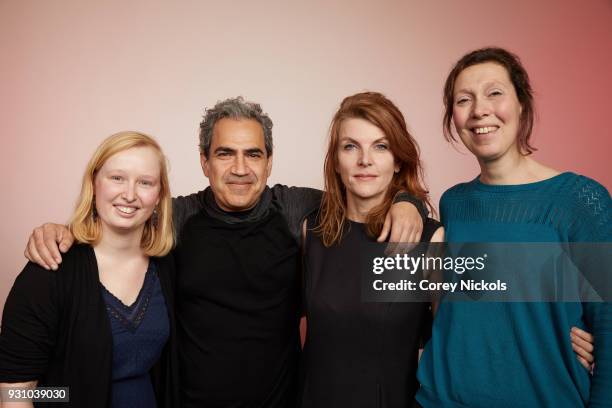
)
(486, 111)
(127, 189)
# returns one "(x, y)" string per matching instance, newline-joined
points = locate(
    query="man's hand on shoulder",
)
(47, 243)
(405, 223)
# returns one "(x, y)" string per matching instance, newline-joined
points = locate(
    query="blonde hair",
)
(157, 240)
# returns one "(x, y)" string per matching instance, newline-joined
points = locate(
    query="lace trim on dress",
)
(131, 316)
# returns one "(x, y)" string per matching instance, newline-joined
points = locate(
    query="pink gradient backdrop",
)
(73, 72)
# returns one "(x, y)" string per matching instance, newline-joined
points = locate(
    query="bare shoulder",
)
(438, 235)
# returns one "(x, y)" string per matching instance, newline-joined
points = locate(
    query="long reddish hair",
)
(382, 113)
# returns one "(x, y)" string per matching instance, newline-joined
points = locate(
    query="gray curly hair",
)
(234, 108)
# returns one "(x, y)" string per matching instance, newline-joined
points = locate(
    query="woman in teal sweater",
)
(511, 354)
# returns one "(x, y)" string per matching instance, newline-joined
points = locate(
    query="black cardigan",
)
(55, 329)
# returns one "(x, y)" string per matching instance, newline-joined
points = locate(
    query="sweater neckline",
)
(212, 209)
(520, 187)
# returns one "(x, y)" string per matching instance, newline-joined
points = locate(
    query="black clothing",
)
(55, 329)
(238, 309)
(238, 299)
(357, 354)
(294, 203)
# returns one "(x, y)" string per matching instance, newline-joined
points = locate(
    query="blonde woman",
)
(100, 326)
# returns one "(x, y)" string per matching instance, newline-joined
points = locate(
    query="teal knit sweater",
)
(484, 355)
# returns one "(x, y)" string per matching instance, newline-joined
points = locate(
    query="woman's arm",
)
(29, 326)
(436, 276)
(15, 403)
(592, 224)
(303, 322)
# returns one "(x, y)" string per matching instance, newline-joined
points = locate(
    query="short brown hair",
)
(520, 80)
(157, 240)
(375, 108)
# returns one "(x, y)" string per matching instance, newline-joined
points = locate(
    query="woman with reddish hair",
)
(357, 353)
(361, 354)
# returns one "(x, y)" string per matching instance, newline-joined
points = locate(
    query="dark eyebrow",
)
(223, 149)
(254, 150)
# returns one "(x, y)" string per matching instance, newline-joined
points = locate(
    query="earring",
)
(154, 218)
(94, 212)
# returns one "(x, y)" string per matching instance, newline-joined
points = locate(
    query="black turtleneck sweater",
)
(238, 299)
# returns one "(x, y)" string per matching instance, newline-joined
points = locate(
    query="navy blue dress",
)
(139, 332)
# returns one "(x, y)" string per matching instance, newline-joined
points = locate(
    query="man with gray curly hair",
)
(234, 108)
(238, 260)
(238, 282)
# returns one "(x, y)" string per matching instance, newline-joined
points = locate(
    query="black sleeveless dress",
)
(357, 354)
